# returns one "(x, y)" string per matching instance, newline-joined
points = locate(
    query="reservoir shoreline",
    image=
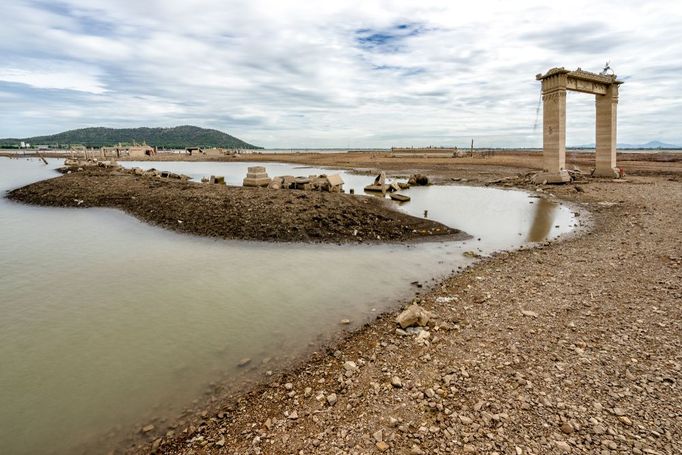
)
(511, 362)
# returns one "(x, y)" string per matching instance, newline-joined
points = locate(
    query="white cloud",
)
(43, 76)
(284, 73)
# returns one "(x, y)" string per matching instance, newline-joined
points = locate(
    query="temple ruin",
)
(555, 83)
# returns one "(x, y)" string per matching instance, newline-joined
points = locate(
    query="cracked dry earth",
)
(572, 347)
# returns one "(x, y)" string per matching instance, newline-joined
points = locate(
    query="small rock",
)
(331, 399)
(563, 446)
(567, 428)
(378, 436)
(350, 366)
(529, 313)
(293, 415)
(413, 315)
(382, 446)
(147, 428)
(625, 420)
(221, 442)
(396, 382)
(619, 411)
(243, 362)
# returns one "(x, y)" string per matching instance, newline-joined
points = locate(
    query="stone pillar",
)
(554, 130)
(606, 106)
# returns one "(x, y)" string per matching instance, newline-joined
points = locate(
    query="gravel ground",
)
(571, 347)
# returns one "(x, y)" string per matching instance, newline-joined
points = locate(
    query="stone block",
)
(256, 182)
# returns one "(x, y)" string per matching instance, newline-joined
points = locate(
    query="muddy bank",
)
(236, 212)
(572, 347)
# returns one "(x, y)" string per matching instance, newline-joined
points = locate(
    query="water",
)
(106, 322)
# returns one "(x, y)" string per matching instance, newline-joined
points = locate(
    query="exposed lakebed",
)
(109, 322)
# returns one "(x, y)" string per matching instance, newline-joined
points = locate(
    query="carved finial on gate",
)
(607, 71)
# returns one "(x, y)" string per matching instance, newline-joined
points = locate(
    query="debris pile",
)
(381, 186)
(257, 176)
(89, 162)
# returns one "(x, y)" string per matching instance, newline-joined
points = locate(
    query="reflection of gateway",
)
(542, 220)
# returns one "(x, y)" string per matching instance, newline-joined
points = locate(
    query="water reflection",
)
(543, 220)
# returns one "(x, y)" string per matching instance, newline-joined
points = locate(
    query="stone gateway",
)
(555, 83)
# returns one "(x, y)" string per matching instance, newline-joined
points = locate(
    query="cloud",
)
(46, 75)
(371, 73)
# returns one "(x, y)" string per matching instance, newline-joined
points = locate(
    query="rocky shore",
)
(235, 212)
(569, 347)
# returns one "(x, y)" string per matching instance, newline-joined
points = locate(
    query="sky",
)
(290, 74)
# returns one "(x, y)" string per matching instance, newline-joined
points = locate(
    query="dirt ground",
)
(497, 163)
(570, 347)
(236, 212)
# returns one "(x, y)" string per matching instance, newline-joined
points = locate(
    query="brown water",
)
(107, 322)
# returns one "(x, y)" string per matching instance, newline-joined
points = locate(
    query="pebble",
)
(563, 446)
(396, 382)
(331, 399)
(529, 313)
(567, 428)
(382, 446)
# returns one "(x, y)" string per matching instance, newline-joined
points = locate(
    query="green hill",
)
(177, 137)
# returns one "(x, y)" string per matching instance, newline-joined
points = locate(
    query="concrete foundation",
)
(256, 176)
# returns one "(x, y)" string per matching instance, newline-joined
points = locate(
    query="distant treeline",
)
(177, 137)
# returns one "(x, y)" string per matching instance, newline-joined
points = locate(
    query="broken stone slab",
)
(377, 188)
(276, 183)
(413, 315)
(380, 179)
(217, 180)
(399, 197)
(335, 179)
(288, 181)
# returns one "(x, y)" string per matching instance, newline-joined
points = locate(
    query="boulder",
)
(413, 315)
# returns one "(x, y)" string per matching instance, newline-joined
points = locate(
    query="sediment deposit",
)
(235, 212)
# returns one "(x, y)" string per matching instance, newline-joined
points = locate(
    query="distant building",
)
(141, 151)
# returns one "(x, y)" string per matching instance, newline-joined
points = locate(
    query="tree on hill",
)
(177, 137)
